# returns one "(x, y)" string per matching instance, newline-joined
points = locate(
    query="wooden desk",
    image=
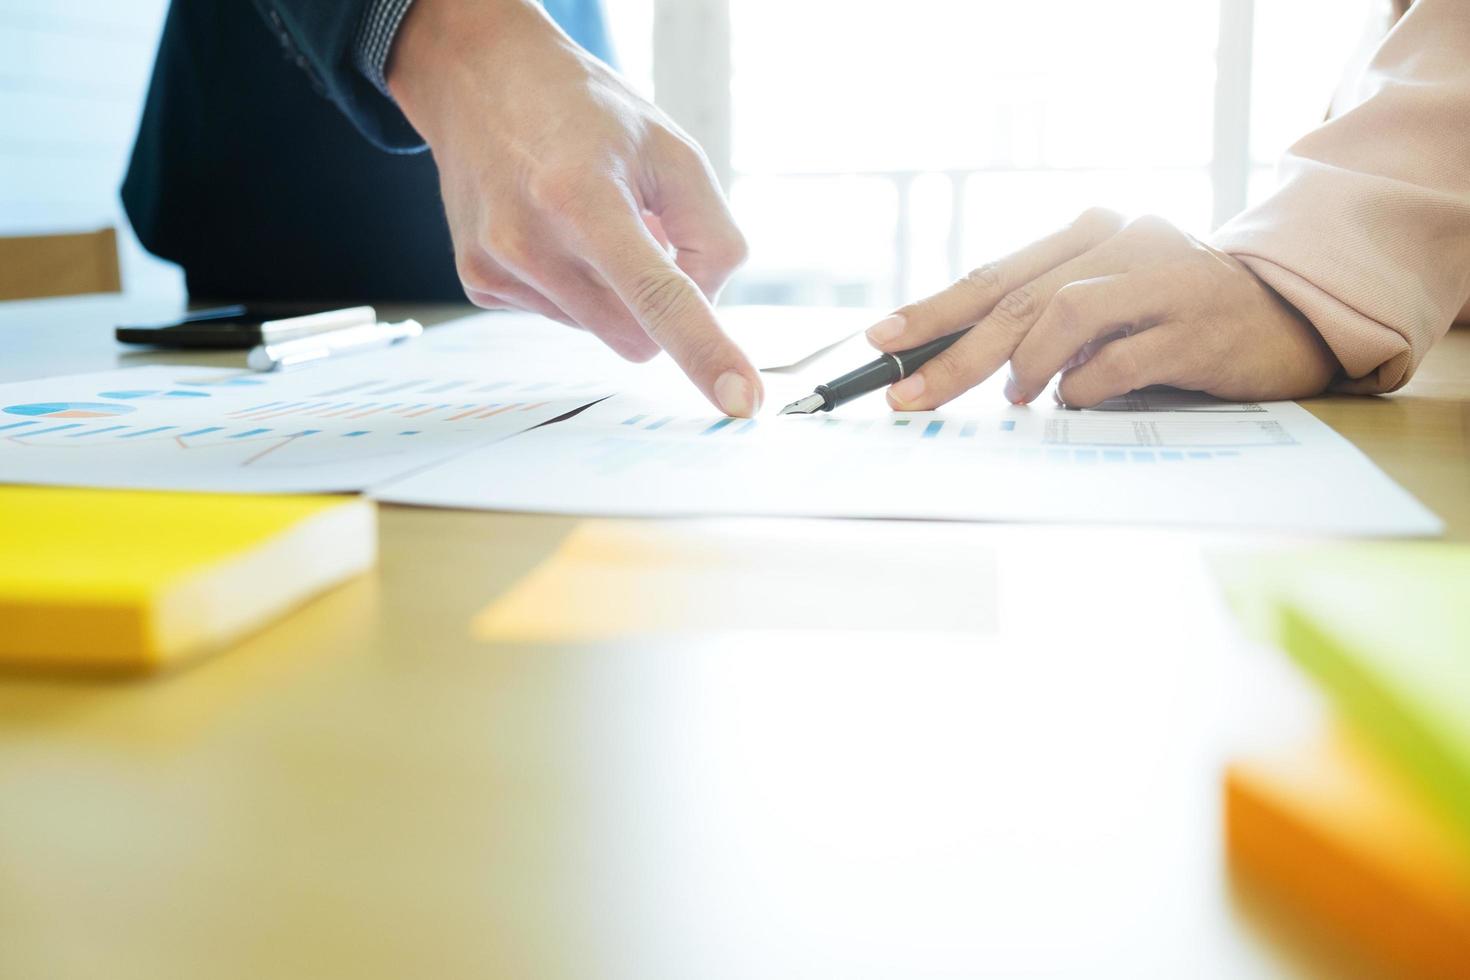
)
(366, 789)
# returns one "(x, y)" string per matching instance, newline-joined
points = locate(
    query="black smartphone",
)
(221, 327)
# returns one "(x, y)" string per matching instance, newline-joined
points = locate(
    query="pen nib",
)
(804, 406)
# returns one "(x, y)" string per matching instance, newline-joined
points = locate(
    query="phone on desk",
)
(234, 327)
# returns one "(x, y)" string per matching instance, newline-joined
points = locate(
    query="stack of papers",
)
(428, 423)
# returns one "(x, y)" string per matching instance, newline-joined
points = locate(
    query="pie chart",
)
(69, 410)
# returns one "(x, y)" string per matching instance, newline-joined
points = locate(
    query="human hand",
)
(1112, 308)
(562, 188)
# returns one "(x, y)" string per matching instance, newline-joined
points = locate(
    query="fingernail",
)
(1014, 394)
(908, 390)
(887, 329)
(735, 395)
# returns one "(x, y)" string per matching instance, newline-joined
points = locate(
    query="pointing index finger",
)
(672, 310)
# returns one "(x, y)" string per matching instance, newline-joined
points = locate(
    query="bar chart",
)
(338, 427)
(1185, 462)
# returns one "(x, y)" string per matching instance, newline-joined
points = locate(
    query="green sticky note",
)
(1385, 629)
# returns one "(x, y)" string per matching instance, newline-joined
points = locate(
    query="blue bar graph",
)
(249, 432)
(660, 423)
(202, 432)
(148, 432)
(967, 431)
(932, 429)
(96, 432)
(634, 420)
(389, 389)
(717, 427)
(358, 386)
(1007, 425)
(16, 425)
(55, 428)
(359, 432)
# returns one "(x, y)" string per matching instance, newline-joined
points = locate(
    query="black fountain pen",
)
(870, 377)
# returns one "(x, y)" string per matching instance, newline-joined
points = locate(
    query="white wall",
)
(72, 78)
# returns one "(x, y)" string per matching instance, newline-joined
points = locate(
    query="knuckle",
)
(945, 376)
(1098, 223)
(683, 150)
(485, 301)
(984, 279)
(473, 276)
(507, 245)
(1068, 306)
(1151, 228)
(1016, 308)
(730, 251)
(701, 350)
(660, 295)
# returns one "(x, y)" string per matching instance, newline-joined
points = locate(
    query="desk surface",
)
(368, 789)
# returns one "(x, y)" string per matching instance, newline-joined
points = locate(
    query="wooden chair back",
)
(59, 265)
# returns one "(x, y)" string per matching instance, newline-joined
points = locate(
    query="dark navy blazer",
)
(270, 168)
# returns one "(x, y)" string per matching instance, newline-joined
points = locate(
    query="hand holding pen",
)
(886, 370)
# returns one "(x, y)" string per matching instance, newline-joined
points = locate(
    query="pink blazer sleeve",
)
(1369, 233)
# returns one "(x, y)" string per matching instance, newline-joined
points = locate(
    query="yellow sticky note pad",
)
(612, 579)
(128, 580)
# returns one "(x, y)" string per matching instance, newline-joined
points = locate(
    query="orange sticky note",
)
(1342, 835)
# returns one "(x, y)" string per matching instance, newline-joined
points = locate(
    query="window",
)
(875, 151)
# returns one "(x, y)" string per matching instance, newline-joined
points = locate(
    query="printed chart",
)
(1193, 462)
(336, 427)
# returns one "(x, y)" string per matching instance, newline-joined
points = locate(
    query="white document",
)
(1151, 458)
(342, 425)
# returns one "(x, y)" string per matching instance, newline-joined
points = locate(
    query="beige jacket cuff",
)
(1369, 233)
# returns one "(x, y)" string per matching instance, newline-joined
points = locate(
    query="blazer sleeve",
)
(320, 36)
(1368, 234)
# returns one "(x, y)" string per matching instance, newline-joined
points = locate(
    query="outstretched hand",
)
(564, 190)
